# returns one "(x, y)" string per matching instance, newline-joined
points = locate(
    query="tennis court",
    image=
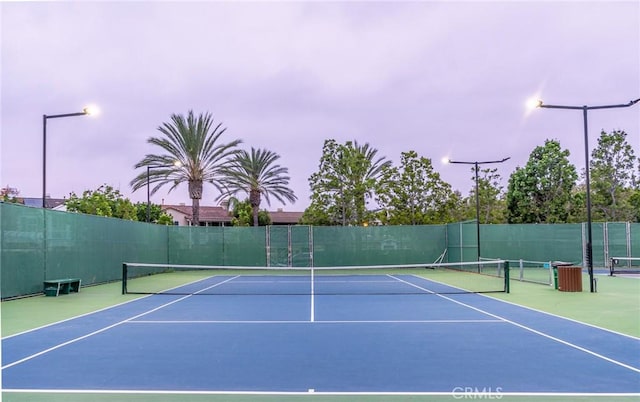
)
(370, 333)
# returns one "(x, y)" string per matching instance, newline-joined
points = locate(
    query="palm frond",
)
(257, 171)
(195, 143)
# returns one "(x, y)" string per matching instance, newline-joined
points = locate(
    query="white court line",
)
(74, 317)
(324, 280)
(172, 322)
(580, 348)
(107, 327)
(541, 311)
(140, 297)
(564, 318)
(312, 318)
(457, 395)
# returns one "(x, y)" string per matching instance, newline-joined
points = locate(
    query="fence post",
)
(584, 245)
(521, 269)
(605, 242)
(267, 240)
(628, 238)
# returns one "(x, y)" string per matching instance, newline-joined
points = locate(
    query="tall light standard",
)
(585, 109)
(476, 163)
(86, 111)
(176, 164)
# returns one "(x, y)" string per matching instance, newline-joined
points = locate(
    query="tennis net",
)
(624, 265)
(540, 272)
(444, 278)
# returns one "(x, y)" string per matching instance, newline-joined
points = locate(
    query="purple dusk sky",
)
(446, 79)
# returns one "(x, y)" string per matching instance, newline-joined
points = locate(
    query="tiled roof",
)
(285, 217)
(220, 214)
(207, 214)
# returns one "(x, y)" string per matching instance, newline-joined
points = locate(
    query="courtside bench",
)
(54, 287)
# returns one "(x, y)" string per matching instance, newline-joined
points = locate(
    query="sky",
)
(444, 79)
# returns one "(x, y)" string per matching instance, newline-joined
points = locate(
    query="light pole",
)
(585, 109)
(176, 163)
(85, 111)
(476, 163)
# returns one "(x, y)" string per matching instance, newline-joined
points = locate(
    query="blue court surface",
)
(351, 342)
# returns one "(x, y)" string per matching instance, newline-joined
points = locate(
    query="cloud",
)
(441, 78)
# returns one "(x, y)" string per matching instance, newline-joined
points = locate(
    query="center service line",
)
(313, 315)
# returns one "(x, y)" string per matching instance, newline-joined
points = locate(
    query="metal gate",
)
(290, 246)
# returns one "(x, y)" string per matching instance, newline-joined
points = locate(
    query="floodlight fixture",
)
(476, 164)
(86, 111)
(589, 246)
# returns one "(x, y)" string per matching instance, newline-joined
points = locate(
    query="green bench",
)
(54, 287)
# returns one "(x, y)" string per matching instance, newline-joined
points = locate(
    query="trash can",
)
(566, 277)
(569, 279)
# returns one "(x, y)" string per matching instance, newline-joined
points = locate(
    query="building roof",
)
(284, 217)
(220, 214)
(207, 214)
(37, 202)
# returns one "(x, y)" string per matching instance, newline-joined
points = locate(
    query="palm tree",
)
(365, 170)
(193, 154)
(257, 175)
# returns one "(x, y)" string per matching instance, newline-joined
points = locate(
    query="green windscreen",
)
(617, 235)
(301, 246)
(22, 243)
(462, 243)
(598, 244)
(217, 245)
(552, 242)
(634, 232)
(245, 246)
(278, 246)
(92, 247)
(377, 245)
(39, 245)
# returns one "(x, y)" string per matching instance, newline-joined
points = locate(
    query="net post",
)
(124, 278)
(506, 276)
(611, 266)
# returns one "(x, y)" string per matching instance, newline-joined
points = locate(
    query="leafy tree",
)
(365, 173)
(541, 192)
(634, 199)
(492, 202)
(9, 194)
(346, 178)
(327, 199)
(165, 219)
(257, 175)
(105, 201)
(578, 204)
(634, 202)
(414, 194)
(612, 177)
(316, 214)
(193, 154)
(243, 215)
(156, 214)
